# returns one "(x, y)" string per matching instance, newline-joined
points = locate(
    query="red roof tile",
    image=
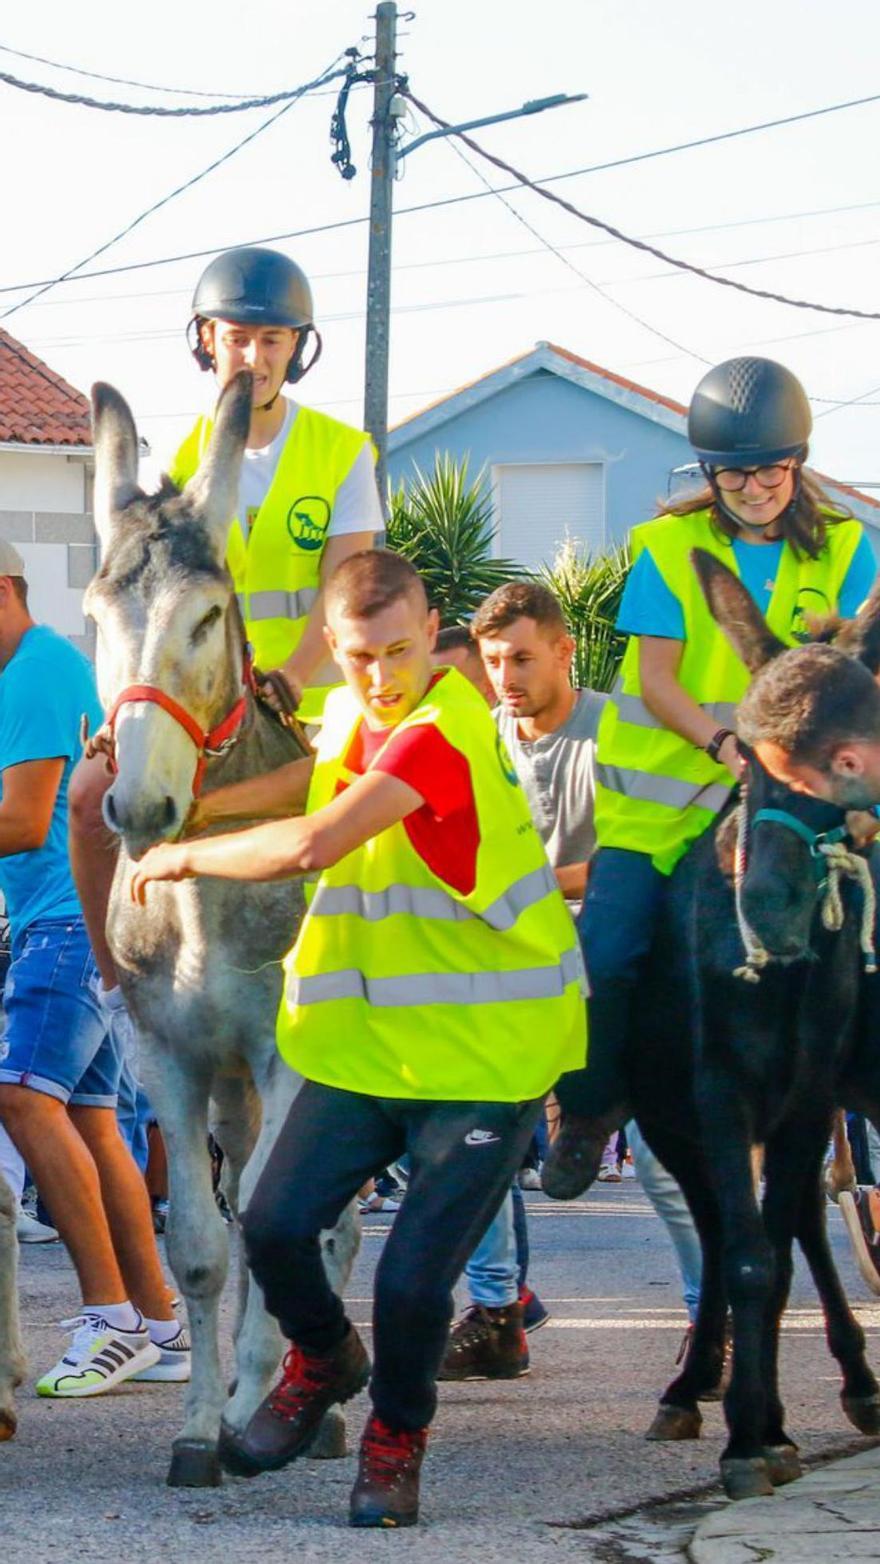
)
(37, 407)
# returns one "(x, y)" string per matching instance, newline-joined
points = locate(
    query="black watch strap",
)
(717, 740)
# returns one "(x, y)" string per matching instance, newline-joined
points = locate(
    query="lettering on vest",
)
(308, 520)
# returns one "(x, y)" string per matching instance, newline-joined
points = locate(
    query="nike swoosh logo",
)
(480, 1138)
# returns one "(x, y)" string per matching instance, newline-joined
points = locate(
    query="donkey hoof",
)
(329, 1442)
(194, 1464)
(8, 1424)
(745, 1477)
(783, 1464)
(863, 1412)
(675, 1423)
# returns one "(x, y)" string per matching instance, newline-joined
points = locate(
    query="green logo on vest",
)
(811, 603)
(308, 520)
(505, 761)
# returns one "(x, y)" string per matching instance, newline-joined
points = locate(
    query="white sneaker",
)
(98, 1357)
(529, 1178)
(28, 1230)
(173, 1363)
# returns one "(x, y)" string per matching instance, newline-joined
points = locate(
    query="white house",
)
(46, 487)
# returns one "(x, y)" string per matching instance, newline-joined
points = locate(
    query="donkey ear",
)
(736, 612)
(116, 458)
(860, 637)
(213, 491)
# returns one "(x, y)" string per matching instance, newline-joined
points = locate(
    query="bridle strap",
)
(208, 743)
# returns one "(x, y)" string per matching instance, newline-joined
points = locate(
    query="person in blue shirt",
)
(60, 1063)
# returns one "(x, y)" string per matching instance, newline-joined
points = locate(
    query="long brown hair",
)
(804, 524)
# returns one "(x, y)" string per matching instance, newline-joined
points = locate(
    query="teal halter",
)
(815, 840)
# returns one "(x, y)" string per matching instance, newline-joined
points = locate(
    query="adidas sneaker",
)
(99, 1357)
(173, 1363)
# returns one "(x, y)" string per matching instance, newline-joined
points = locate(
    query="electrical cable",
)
(595, 286)
(154, 110)
(629, 239)
(188, 184)
(119, 81)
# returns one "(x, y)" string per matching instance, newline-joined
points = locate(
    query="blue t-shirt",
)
(649, 608)
(45, 688)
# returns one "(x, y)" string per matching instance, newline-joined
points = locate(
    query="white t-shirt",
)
(356, 508)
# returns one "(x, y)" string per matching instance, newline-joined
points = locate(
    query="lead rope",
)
(756, 956)
(841, 863)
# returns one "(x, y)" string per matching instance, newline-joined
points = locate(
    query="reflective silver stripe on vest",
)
(439, 988)
(648, 788)
(633, 710)
(277, 605)
(425, 901)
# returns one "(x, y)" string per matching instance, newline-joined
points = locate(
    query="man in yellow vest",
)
(307, 500)
(433, 996)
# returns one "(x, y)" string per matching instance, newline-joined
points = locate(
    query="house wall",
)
(544, 418)
(43, 511)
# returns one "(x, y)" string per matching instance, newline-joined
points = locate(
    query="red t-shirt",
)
(444, 831)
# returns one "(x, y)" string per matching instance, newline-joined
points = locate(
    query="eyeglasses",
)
(734, 478)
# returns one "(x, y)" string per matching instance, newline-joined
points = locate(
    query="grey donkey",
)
(200, 966)
(12, 1364)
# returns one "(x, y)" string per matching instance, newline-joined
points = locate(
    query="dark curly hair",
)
(809, 701)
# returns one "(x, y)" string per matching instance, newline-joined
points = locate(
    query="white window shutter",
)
(540, 504)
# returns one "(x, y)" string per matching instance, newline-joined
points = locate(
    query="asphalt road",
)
(551, 1466)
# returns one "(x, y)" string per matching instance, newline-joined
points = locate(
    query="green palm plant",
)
(588, 588)
(443, 524)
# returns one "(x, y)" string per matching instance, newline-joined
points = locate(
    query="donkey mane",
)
(151, 543)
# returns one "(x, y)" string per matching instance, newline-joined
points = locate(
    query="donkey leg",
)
(198, 1252)
(12, 1359)
(748, 1274)
(859, 1396)
(790, 1175)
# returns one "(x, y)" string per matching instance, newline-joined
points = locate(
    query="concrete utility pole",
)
(379, 264)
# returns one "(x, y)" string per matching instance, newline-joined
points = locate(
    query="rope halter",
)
(832, 860)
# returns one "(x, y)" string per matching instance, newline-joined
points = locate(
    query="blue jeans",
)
(56, 1038)
(616, 925)
(672, 1208)
(492, 1272)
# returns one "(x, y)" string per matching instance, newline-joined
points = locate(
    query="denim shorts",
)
(56, 1039)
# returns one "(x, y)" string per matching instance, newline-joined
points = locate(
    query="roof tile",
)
(38, 407)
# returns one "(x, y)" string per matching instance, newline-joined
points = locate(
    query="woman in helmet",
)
(307, 500)
(666, 751)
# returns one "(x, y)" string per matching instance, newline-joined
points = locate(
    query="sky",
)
(795, 209)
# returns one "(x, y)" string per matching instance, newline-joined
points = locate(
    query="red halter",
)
(209, 744)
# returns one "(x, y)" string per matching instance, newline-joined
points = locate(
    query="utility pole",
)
(379, 263)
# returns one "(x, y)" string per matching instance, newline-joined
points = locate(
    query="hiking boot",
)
(487, 1344)
(576, 1155)
(535, 1313)
(286, 1422)
(386, 1490)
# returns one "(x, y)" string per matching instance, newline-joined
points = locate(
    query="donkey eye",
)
(205, 624)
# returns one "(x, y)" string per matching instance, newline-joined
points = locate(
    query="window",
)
(539, 504)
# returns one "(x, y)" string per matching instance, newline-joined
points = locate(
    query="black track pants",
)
(463, 1156)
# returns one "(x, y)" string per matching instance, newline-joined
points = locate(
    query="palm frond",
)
(589, 588)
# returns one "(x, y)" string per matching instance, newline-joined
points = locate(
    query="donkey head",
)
(810, 726)
(165, 610)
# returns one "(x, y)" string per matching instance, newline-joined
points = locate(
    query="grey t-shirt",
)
(556, 773)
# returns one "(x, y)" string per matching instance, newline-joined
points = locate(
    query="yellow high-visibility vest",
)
(401, 986)
(277, 569)
(655, 792)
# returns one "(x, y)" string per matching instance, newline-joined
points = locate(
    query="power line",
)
(594, 286)
(224, 158)
(629, 239)
(120, 81)
(288, 96)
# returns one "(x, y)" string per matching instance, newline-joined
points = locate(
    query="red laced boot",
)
(286, 1422)
(386, 1492)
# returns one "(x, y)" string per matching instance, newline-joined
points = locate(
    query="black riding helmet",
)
(749, 412)
(255, 287)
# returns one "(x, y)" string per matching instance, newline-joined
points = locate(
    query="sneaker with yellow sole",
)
(99, 1357)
